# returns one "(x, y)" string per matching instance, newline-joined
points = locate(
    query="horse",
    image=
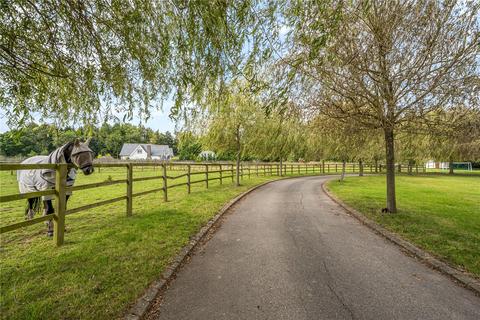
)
(76, 153)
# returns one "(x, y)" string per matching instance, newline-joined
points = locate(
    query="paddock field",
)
(107, 259)
(439, 213)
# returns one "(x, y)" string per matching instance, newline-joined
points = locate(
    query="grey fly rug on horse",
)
(43, 179)
(76, 153)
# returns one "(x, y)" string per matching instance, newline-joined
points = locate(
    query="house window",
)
(139, 150)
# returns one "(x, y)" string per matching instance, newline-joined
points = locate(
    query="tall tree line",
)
(106, 140)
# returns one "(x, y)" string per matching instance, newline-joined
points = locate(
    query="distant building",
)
(431, 164)
(145, 151)
(207, 155)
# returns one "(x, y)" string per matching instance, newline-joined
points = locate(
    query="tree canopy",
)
(84, 59)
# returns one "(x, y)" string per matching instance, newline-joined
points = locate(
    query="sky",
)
(159, 120)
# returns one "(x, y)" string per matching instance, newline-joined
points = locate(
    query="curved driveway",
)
(287, 251)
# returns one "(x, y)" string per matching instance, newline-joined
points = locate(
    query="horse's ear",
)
(76, 143)
(88, 141)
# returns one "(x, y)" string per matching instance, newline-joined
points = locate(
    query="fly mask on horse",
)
(76, 153)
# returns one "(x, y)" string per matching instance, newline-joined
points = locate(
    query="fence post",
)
(164, 178)
(206, 175)
(221, 176)
(416, 168)
(60, 202)
(256, 168)
(232, 173)
(336, 167)
(248, 171)
(129, 189)
(399, 167)
(323, 166)
(188, 178)
(354, 167)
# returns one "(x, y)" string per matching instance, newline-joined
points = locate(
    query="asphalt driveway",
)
(287, 251)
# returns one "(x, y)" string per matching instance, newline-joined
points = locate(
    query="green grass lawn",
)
(108, 259)
(439, 213)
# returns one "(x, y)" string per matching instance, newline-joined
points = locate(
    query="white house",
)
(144, 151)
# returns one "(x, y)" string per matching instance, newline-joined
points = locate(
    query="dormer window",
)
(139, 150)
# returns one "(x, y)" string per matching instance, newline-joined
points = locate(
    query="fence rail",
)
(192, 169)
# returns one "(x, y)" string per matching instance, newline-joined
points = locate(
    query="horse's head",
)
(82, 156)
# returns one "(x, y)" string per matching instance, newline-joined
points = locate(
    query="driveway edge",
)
(425, 257)
(143, 304)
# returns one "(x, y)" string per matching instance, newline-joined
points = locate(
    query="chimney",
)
(149, 151)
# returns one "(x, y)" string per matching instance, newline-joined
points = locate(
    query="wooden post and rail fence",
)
(60, 190)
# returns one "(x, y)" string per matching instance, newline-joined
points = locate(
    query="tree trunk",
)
(237, 183)
(450, 166)
(281, 167)
(343, 170)
(390, 157)
(410, 166)
(239, 152)
(360, 168)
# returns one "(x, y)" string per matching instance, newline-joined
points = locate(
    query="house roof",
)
(157, 150)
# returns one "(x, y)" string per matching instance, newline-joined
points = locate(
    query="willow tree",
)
(455, 135)
(232, 126)
(75, 61)
(412, 147)
(395, 62)
(277, 134)
(340, 141)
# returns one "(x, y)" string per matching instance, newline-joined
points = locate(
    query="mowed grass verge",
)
(108, 259)
(439, 213)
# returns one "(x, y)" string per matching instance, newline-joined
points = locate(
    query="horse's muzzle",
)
(87, 170)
